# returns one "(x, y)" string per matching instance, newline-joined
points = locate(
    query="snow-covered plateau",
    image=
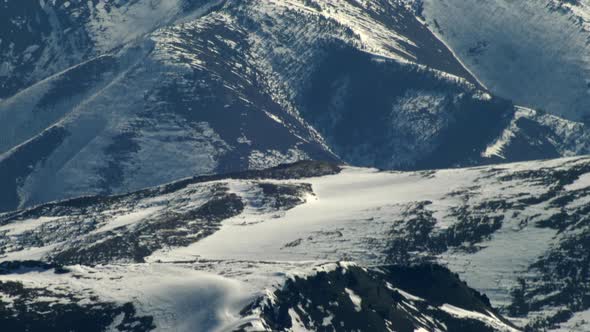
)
(311, 246)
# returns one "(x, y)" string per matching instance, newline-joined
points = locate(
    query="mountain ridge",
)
(207, 86)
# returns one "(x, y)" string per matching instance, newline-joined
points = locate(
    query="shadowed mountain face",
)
(108, 97)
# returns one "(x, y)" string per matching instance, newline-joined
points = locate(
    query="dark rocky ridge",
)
(322, 302)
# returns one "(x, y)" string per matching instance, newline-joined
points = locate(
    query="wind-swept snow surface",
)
(512, 231)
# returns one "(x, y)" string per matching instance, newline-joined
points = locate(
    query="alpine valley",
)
(294, 165)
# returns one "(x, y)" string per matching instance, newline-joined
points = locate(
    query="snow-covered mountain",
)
(535, 52)
(104, 97)
(413, 216)
(311, 246)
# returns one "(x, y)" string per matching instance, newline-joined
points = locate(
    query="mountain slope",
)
(515, 232)
(43, 38)
(203, 87)
(533, 52)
